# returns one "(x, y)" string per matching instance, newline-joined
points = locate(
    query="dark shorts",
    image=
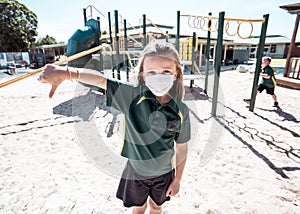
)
(135, 192)
(262, 87)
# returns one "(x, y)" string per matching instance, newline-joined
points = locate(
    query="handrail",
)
(73, 57)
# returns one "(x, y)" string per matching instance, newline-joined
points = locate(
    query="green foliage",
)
(48, 40)
(18, 26)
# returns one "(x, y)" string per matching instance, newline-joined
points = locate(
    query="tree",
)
(18, 26)
(48, 40)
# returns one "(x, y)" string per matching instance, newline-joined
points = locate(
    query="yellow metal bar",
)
(157, 27)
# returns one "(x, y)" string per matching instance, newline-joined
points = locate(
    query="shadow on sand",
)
(277, 146)
(85, 107)
(274, 145)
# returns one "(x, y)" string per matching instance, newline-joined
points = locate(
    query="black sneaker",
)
(275, 104)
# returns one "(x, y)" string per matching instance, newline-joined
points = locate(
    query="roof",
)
(271, 39)
(51, 46)
(292, 8)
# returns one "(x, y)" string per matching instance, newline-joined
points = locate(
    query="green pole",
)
(126, 49)
(193, 57)
(109, 29)
(125, 35)
(207, 53)
(84, 16)
(178, 31)
(117, 44)
(99, 30)
(259, 56)
(99, 43)
(111, 45)
(167, 37)
(144, 30)
(218, 62)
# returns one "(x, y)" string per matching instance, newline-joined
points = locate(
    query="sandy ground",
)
(60, 155)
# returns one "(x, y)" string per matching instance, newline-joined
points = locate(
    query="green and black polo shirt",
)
(270, 83)
(150, 128)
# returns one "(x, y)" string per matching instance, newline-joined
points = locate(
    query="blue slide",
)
(83, 39)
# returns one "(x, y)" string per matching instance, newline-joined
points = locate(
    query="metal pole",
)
(84, 16)
(178, 31)
(259, 56)
(218, 62)
(207, 53)
(167, 36)
(193, 57)
(117, 44)
(144, 30)
(111, 45)
(101, 63)
(126, 49)
(99, 28)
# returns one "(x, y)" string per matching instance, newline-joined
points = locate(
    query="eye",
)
(149, 73)
(167, 72)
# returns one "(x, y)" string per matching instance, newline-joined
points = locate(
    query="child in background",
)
(268, 81)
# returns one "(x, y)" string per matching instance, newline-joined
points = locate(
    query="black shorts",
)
(262, 87)
(135, 192)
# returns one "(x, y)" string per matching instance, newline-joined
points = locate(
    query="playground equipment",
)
(91, 37)
(84, 39)
(200, 23)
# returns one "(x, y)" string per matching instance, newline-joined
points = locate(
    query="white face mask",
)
(159, 84)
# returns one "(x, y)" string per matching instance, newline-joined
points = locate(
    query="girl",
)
(156, 124)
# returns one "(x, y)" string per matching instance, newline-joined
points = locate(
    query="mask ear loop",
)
(175, 77)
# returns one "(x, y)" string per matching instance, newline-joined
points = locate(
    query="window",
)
(273, 49)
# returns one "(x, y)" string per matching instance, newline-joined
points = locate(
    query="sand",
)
(239, 161)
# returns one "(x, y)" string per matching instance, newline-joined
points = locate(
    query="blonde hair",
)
(168, 51)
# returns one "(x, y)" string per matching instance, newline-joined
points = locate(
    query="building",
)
(276, 46)
(44, 54)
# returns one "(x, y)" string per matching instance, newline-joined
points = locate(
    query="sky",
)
(61, 18)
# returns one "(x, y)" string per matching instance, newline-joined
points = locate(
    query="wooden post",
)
(292, 44)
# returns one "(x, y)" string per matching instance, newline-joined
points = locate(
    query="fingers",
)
(48, 69)
(50, 76)
(52, 91)
(41, 78)
(169, 192)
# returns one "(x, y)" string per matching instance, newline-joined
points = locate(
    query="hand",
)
(54, 75)
(173, 188)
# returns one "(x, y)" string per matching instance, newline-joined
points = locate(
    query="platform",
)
(288, 82)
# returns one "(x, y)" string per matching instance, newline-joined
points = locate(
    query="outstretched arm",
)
(55, 75)
(181, 155)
